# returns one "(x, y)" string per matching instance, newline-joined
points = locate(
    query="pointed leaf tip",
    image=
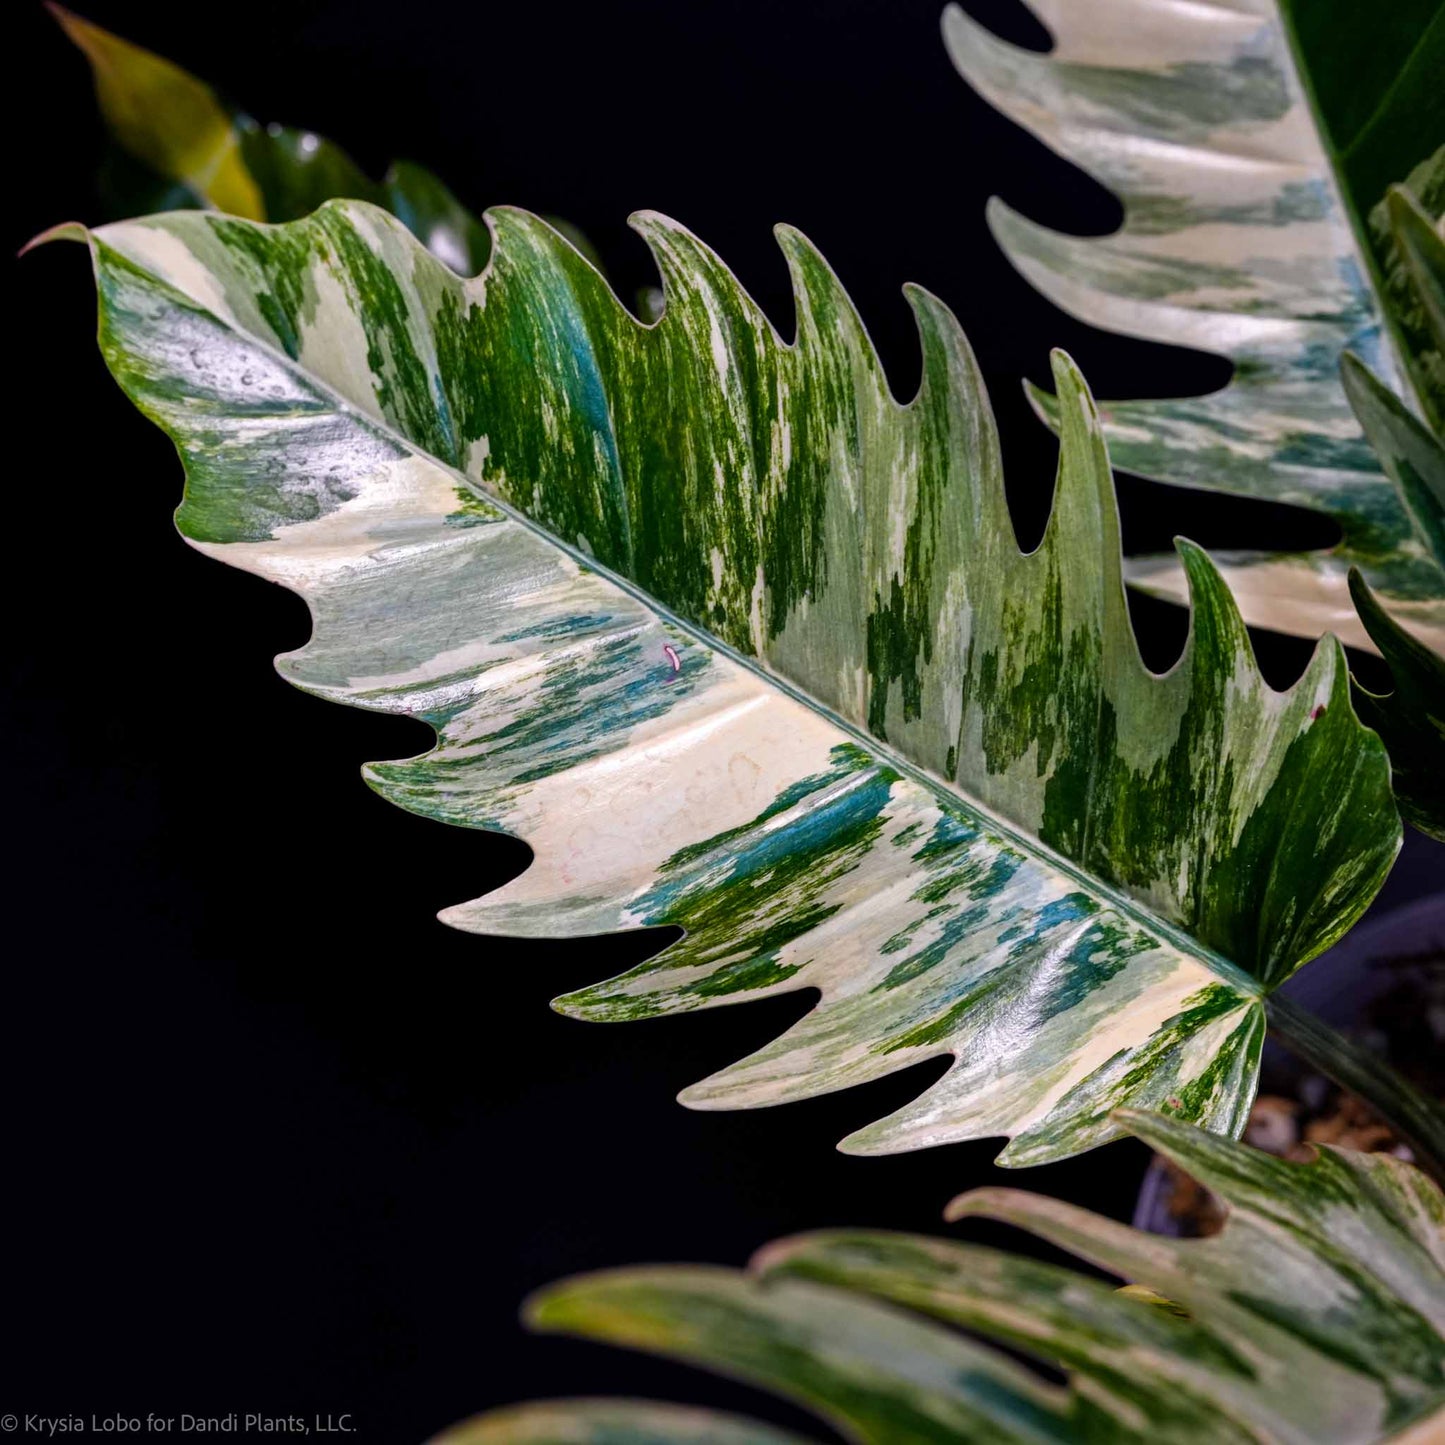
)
(168, 119)
(65, 231)
(1045, 404)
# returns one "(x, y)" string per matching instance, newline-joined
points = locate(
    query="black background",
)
(275, 1139)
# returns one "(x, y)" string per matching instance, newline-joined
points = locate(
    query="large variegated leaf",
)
(1317, 1317)
(1236, 240)
(739, 643)
(184, 146)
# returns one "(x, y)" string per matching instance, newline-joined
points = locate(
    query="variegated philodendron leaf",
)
(186, 147)
(1317, 1317)
(1235, 240)
(738, 643)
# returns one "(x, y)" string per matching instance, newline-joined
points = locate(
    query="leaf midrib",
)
(950, 794)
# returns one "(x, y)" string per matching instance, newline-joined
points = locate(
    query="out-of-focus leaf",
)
(1415, 278)
(1316, 1317)
(1411, 719)
(184, 147)
(169, 120)
(1235, 240)
(1410, 455)
(1372, 77)
(775, 672)
(611, 1422)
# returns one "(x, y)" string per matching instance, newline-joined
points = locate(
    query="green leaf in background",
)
(194, 150)
(1236, 240)
(1316, 1317)
(1411, 719)
(1412, 253)
(738, 643)
(1373, 81)
(612, 1422)
(167, 119)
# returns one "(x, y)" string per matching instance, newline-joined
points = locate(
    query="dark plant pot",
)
(1382, 985)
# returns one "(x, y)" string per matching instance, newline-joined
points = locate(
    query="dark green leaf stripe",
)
(1317, 1317)
(1237, 239)
(775, 670)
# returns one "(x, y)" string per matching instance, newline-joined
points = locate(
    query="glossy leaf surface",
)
(1316, 1317)
(1235, 240)
(737, 642)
